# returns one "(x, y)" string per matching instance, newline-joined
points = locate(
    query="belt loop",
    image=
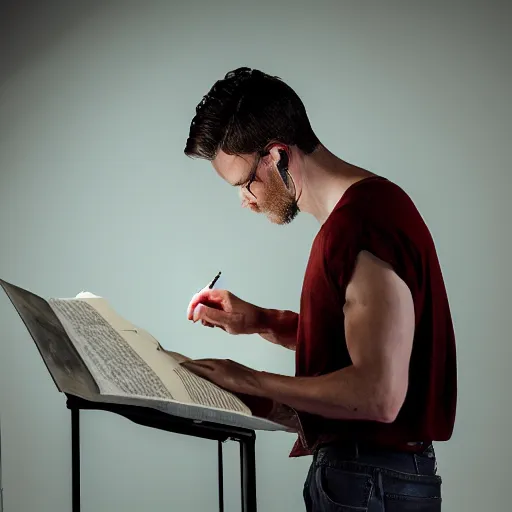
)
(381, 489)
(357, 450)
(415, 459)
(317, 454)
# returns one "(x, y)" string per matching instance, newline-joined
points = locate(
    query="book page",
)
(184, 385)
(141, 353)
(117, 368)
(66, 367)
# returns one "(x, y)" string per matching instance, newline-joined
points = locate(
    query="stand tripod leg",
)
(221, 477)
(248, 474)
(75, 459)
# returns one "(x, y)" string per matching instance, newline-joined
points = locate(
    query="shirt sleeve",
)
(351, 235)
(343, 240)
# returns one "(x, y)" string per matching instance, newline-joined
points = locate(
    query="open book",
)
(93, 353)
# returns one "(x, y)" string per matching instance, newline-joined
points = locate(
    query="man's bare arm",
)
(379, 324)
(379, 327)
(279, 327)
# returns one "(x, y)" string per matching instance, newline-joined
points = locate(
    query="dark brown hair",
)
(244, 112)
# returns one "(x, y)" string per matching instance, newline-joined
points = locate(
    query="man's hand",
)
(242, 380)
(226, 374)
(220, 308)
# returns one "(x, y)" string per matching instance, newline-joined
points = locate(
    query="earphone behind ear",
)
(282, 166)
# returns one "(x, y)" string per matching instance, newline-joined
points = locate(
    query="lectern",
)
(155, 419)
(96, 368)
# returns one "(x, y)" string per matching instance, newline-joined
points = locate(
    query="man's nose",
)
(245, 196)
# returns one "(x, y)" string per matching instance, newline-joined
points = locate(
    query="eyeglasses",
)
(252, 176)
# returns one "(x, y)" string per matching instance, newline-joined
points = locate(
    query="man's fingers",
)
(196, 299)
(195, 368)
(207, 363)
(206, 295)
(203, 369)
(210, 315)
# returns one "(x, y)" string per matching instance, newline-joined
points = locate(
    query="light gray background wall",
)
(95, 194)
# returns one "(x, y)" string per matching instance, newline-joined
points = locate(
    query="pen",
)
(212, 284)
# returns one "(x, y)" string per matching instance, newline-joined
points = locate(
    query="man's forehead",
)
(233, 168)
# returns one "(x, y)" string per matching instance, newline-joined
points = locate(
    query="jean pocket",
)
(407, 493)
(404, 503)
(341, 490)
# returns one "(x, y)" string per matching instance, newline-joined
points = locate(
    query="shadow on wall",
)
(28, 29)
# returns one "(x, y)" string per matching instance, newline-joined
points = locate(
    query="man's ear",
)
(282, 166)
(281, 158)
(275, 151)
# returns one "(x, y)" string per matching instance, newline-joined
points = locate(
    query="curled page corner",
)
(87, 295)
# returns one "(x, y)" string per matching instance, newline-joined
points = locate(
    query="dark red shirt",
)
(378, 216)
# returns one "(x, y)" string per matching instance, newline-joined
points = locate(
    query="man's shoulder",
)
(375, 201)
(341, 232)
(376, 191)
(376, 210)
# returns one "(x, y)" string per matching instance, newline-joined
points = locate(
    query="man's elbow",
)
(386, 413)
(388, 405)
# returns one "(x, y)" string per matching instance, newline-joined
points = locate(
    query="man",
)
(375, 380)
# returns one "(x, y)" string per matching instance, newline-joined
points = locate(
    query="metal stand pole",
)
(75, 459)
(248, 473)
(221, 477)
(1, 485)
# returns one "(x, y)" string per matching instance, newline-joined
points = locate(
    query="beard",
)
(279, 205)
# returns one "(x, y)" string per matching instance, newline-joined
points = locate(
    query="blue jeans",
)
(365, 480)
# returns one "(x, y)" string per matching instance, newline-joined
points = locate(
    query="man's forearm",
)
(279, 327)
(347, 394)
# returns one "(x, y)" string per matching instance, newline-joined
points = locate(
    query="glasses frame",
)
(252, 176)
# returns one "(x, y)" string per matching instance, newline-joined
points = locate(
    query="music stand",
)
(155, 419)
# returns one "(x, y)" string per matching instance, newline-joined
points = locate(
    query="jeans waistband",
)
(421, 461)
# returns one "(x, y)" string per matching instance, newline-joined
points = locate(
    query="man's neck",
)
(325, 179)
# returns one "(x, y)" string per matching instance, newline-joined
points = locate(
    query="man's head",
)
(254, 129)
